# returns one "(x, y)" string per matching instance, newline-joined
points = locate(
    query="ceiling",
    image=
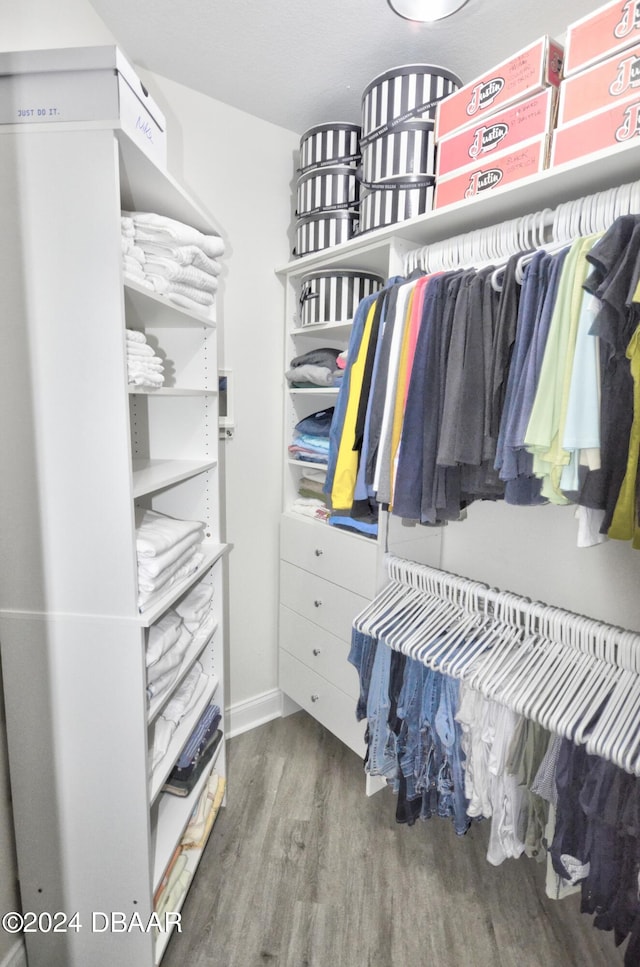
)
(298, 63)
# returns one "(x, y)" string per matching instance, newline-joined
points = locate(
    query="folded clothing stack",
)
(184, 699)
(311, 437)
(144, 368)
(167, 550)
(171, 258)
(174, 884)
(167, 642)
(195, 607)
(203, 816)
(197, 752)
(318, 367)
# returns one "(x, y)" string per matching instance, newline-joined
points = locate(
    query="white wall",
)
(240, 168)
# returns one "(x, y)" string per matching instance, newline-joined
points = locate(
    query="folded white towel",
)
(186, 274)
(138, 278)
(152, 567)
(133, 335)
(162, 635)
(140, 349)
(132, 266)
(148, 583)
(137, 365)
(127, 227)
(170, 660)
(147, 598)
(145, 379)
(196, 603)
(131, 250)
(151, 227)
(182, 254)
(157, 532)
(167, 287)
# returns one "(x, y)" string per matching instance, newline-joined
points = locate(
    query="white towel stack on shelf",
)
(195, 607)
(167, 642)
(144, 368)
(183, 701)
(171, 258)
(167, 551)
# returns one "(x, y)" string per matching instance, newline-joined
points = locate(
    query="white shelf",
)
(307, 463)
(315, 391)
(169, 391)
(147, 309)
(179, 739)
(341, 330)
(599, 171)
(200, 639)
(152, 475)
(212, 553)
(174, 813)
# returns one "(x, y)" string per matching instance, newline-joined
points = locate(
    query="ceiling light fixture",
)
(425, 11)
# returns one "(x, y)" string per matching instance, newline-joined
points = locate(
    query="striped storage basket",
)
(317, 232)
(327, 189)
(330, 144)
(334, 296)
(407, 93)
(386, 206)
(409, 149)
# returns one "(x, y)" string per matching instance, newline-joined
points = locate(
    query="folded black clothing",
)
(317, 357)
(181, 781)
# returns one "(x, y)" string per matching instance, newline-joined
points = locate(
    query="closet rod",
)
(569, 220)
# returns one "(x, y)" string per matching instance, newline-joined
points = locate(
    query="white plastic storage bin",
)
(81, 84)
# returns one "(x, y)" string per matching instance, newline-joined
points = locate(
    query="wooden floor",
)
(303, 870)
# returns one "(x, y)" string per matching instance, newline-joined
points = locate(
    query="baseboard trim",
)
(255, 711)
(17, 956)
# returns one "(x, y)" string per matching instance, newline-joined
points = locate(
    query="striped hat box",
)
(324, 230)
(327, 189)
(330, 144)
(334, 296)
(408, 149)
(386, 206)
(407, 93)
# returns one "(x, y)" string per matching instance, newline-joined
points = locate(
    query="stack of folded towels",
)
(311, 437)
(318, 367)
(167, 551)
(144, 368)
(168, 638)
(183, 700)
(172, 259)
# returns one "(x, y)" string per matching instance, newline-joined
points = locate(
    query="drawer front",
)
(323, 603)
(346, 559)
(326, 703)
(319, 650)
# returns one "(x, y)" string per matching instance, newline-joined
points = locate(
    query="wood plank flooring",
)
(303, 870)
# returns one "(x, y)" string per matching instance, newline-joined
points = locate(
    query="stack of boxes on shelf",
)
(600, 95)
(398, 145)
(327, 186)
(496, 129)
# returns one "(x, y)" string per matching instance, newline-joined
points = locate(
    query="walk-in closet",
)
(320, 502)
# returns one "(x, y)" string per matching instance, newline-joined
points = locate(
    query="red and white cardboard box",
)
(499, 132)
(81, 84)
(527, 72)
(611, 80)
(615, 124)
(507, 166)
(611, 28)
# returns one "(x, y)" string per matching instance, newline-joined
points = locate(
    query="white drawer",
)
(346, 559)
(319, 650)
(326, 703)
(324, 603)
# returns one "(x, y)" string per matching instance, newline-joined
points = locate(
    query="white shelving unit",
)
(93, 828)
(306, 544)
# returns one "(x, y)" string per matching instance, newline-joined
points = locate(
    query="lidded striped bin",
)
(323, 230)
(334, 296)
(398, 143)
(327, 190)
(386, 206)
(330, 144)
